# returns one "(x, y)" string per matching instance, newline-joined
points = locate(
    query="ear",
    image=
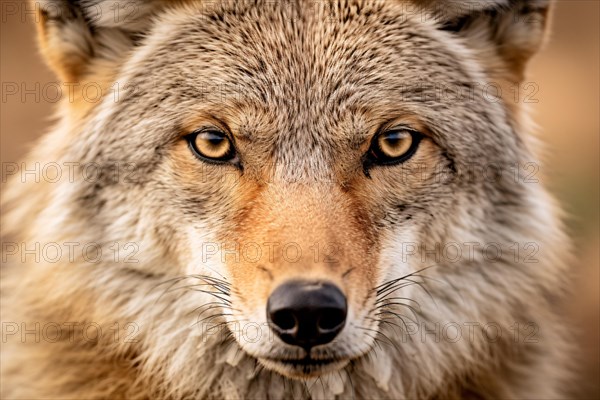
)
(503, 33)
(79, 36)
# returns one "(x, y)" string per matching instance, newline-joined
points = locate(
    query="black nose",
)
(307, 314)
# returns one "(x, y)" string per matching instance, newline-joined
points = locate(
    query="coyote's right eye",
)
(394, 146)
(211, 145)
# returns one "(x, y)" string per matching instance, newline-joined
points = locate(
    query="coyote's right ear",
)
(76, 36)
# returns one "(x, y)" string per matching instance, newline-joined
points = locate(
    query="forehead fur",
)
(292, 76)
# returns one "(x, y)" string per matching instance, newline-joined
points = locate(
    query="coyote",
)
(285, 199)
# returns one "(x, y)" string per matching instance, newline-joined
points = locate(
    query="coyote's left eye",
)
(394, 146)
(211, 145)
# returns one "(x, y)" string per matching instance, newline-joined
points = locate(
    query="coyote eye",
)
(394, 146)
(211, 145)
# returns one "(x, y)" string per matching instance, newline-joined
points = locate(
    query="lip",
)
(303, 367)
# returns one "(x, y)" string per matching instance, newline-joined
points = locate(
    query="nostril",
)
(331, 319)
(284, 320)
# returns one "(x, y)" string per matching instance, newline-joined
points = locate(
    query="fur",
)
(302, 86)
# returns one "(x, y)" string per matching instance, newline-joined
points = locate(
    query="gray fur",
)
(304, 88)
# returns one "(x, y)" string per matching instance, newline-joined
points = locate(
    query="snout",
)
(307, 314)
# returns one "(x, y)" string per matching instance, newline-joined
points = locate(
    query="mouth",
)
(304, 367)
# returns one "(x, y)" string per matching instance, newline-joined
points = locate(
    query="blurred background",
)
(568, 110)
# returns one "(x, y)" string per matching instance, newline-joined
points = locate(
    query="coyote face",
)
(330, 175)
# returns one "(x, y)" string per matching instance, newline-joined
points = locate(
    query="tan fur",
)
(302, 89)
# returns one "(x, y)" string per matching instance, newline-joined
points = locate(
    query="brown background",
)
(567, 75)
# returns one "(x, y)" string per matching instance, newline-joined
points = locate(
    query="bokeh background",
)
(567, 74)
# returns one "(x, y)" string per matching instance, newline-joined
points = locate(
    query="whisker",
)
(212, 303)
(385, 284)
(398, 315)
(393, 288)
(379, 333)
(214, 294)
(213, 316)
(212, 307)
(397, 298)
(375, 340)
(212, 280)
(397, 303)
(385, 321)
(421, 285)
(198, 285)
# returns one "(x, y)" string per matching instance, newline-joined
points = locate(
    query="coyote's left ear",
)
(77, 37)
(503, 33)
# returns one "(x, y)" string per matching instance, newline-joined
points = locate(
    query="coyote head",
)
(308, 183)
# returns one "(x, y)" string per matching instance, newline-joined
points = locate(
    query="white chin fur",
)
(303, 371)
